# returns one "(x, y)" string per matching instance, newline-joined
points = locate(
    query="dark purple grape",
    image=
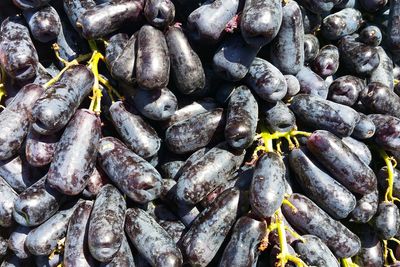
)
(287, 48)
(134, 176)
(44, 23)
(213, 224)
(16, 242)
(382, 180)
(323, 114)
(186, 67)
(75, 8)
(18, 54)
(242, 249)
(341, 23)
(241, 119)
(371, 35)
(384, 72)
(159, 13)
(358, 148)
(311, 83)
(36, 204)
(116, 44)
(260, 21)
(371, 253)
(310, 219)
(365, 128)
(345, 90)
(39, 149)
(76, 250)
(341, 162)
(96, 181)
(320, 187)
(311, 47)
(318, 7)
(392, 32)
(7, 204)
(194, 133)
(207, 173)
(314, 252)
(386, 222)
(366, 208)
(378, 98)
(122, 57)
(151, 240)
(387, 132)
(311, 21)
(266, 80)
(373, 6)
(293, 86)
(30, 4)
(267, 186)
(327, 61)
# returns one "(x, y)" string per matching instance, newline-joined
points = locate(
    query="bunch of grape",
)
(199, 133)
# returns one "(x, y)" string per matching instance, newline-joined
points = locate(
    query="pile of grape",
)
(199, 133)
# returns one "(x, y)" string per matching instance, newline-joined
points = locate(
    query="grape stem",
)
(3, 79)
(347, 262)
(390, 164)
(95, 104)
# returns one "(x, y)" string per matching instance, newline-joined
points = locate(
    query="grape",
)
(75, 8)
(140, 137)
(157, 104)
(365, 128)
(378, 98)
(386, 221)
(44, 261)
(207, 173)
(36, 204)
(287, 49)
(76, 251)
(130, 173)
(39, 149)
(293, 86)
(267, 186)
(234, 58)
(181, 138)
(121, 58)
(342, 23)
(309, 218)
(372, 6)
(393, 37)
(327, 61)
(19, 57)
(241, 119)
(311, 21)
(207, 22)
(242, 247)
(371, 253)
(266, 80)
(387, 131)
(43, 239)
(384, 72)
(95, 182)
(320, 187)
(18, 173)
(16, 242)
(324, 114)
(187, 69)
(58, 104)
(371, 35)
(345, 90)
(311, 47)
(116, 44)
(260, 21)
(341, 162)
(159, 13)
(123, 257)
(44, 23)
(314, 252)
(208, 231)
(366, 208)
(311, 83)
(358, 148)
(7, 204)
(171, 168)
(151, 240)
(3, 247)
(318, 7)
(152, 64)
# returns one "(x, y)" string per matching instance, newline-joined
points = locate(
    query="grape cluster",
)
(199, 133)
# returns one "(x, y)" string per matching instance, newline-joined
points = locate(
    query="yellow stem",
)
(3, 91)
(390, 179)
(58, 76)
(111, 90)
(347, 262)
(95, 104)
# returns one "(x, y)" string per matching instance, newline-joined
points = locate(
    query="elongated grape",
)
(309, 218)
(30, 4)
(387, 132)
(7, 204)
(16, 242)
(341, 23)
(314, 252)
(44, 23)
(122, 62)
(358, 148)
(366, 208)
(378, 98)
(39, 149)
(386, 222)
(345, 90)
(115, 46)
(384, 72)
(130, 173)
(123, 257)
(371, 253)
(159, 13)
(151, 240)
(311, 83)
(392, 28)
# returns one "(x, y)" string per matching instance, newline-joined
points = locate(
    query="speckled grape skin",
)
(287, 49)
(324, 114)
(371, 253)
(387, 131)
(43, 239)
(378, 98)
(267, 186)
(241, 119)
(233, 58)
(242, 249)
(386, 222)
(7, 203)
(266, 80)
(293, 85)
(116, 44)
(341, 23)
(58, 104)
(18, 173)
(318, 7)
(260, 21)
(195, 132)
(384, 72)
(311, 47)
(122, 65)
(365, 128)
(278, 117)
(131, 174)
(393, 33)
(358, 148)
(371, 35)
(310, 219)
(18, 55)
(75, 8)
(36, 204)
(16, 241)
(314, 252)
(95, 182)
(207, 23)
(152, 63)
(311, 83)
(39, 149)
(106, 224)
(151, 240)
(320, 187)
(208, 231)
(3, 247)
(159, 13)
(44, 23)
(327, 61)
(186, 67)
(103, 19)
(157, 104)
(207, 173)
(75, 155)
(76, 251)
(30, 4)
(341, 162)
(139, 136)
(345, 90)
(366, 208)
(123, 257)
